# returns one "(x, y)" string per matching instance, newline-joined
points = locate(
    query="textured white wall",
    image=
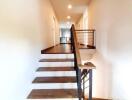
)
(20, 45)
(112, 20)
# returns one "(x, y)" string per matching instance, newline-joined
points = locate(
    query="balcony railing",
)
(86, 38)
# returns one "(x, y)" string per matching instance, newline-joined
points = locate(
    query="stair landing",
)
(58, 49)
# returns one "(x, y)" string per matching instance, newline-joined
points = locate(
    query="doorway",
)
(54, 30)
(65, 36)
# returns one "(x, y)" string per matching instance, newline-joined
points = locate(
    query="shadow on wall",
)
(102, 76)
(87, 54)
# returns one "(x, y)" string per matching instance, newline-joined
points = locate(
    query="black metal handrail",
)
(81, 70)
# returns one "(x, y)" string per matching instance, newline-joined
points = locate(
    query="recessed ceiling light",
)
(69, 6)
(68, 17)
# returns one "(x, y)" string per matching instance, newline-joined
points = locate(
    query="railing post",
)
(94, 39)
(79, 83)
(83, 89)
(90, 84)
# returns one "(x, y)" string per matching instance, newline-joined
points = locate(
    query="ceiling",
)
(62, 11)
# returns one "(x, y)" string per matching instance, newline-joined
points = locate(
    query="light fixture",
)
(68, 17)
(69, 6)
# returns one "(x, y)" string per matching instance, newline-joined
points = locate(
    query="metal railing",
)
(86, 78)
(86, 38)
(82, 71)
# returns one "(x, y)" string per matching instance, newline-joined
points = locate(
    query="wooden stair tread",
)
(55, 69)
(54, 80)
(52, 93)
(56, 60)
(97, 99)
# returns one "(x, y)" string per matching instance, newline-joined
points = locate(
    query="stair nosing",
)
(68, 93)
(56, 60)
(56, 69)
(70, 79)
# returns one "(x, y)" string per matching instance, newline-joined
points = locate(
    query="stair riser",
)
(55, 74)
(55, 64)
(57, 56)
(54, 86)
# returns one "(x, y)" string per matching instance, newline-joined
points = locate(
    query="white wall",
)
(57, 33)
(48, 26)
(83, 24)
(79, 24)
(20, 45)
(112, 20)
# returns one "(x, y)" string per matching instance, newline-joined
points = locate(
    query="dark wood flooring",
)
(98, 99)
(58, 49)
(55, 69)
(52, 93)
(82, 46)
(54, 80)
(64, 49)
(56, 60)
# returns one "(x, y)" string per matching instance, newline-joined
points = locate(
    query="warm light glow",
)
(68, 17)
(69, 6)
(68, 23)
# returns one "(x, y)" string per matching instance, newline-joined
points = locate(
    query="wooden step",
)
(57, 56)
(97, 99)
(56, 60)
(54, 80)
(55, 73)
(55, 69)
(52, 93)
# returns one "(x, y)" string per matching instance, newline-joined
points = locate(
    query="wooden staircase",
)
(55, 78)
(62, 76)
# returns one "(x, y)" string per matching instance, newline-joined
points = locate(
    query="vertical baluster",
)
(90, 84)
(83, 88)
(79, 84)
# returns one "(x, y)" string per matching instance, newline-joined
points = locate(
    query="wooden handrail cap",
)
(88, 65)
